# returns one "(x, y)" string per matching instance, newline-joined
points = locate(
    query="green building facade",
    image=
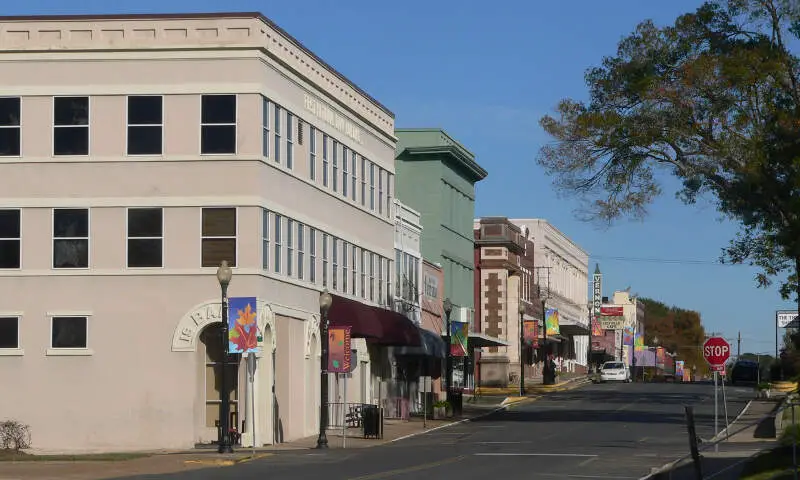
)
(436, 176)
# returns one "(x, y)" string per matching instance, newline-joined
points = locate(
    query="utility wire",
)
(674, 261)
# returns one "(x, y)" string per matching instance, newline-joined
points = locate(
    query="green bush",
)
(790, 434)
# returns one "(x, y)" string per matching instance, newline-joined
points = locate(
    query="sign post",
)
(716, 351)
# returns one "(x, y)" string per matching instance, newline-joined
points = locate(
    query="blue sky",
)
(486, 75)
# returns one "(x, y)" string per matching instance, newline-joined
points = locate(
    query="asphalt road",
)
(607, 431)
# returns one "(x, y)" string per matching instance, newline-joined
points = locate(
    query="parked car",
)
(615, 372)
(744, 372)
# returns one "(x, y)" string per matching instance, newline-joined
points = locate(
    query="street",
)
(614, 431)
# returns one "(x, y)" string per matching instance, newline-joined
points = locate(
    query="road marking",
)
(566, 475)
(401, 471)
(499, 443)
(532, 455)
(587, 461)
(643, 439)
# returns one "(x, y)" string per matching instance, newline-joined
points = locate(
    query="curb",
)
(725, 430)
(229, 462)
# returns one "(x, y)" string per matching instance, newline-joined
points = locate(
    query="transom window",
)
(71, 126)
(10, 239)
(10, 127)
(145, 125)
(145, 237)
(218, 236)
(218, 124)
(71, 238)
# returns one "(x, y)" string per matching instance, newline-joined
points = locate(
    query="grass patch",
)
(12, 456)
(774, 464)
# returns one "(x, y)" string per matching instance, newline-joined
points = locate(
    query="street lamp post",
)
(546, 375)
(325, 301)
(590, 307)
(521, 350)
(448, 372)
(224, 274)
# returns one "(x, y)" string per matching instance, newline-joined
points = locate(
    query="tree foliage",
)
(678, 330)
(712, 100)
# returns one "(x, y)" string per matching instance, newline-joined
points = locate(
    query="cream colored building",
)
(136, 153)
(633, 313)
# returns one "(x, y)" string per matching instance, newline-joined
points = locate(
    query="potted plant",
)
(441, 409)
(764, 390)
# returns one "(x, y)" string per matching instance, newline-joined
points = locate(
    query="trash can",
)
(372, 421)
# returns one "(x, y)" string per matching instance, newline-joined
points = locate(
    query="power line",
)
(673, 261)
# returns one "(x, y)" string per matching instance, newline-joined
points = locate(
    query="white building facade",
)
(562, 271)
(408, 262)
(633, 313)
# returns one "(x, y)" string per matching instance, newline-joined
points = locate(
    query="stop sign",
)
(716, 351)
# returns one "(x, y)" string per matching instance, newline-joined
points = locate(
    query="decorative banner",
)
(660, 353)
(551, 322)
(679, 367)
(339, 353)
(627, 335)
(459, 336)
(638, 342)
(530, 331)
(597, 330)
(242, 326)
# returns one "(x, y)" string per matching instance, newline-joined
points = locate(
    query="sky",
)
(486, 74)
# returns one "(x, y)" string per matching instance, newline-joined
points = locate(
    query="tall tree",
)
(712, 100)
(678, 330)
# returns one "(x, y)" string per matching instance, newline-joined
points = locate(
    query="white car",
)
(615, 372)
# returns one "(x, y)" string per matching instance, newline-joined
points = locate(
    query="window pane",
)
(9, 254)
(70, 223)
(218, 139)
(9, 142)
(144, 252)
(9, 332)
(71, 111)
(9, 223)
(70, 253)
(215, 250)
(71, 141)
(145, 222)
(218, 109)
(144, 140)
(144, 110)
(9, 112)
(69, 332)
(219, 222)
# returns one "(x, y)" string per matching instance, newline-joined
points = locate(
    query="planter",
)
(439, 413)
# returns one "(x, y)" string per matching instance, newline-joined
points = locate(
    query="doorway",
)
(211, 339)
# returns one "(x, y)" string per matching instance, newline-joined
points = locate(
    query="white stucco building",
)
(138, 152)
(562, 268)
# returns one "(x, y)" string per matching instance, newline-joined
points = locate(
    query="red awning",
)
(377, 325)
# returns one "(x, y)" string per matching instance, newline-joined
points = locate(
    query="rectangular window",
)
(71, 126)
(363, 182)
(324, 160)
(69, 332)
(398, 273)
(289, 140)
(312, 254)
(312, 153)
(371, 260)
(345, 166)
(335, 172)
(277, 144)
(289, 247)
(389, 182)
(354, 282)
(265, 239)
(145, 237)
(218, 236)
(363, 270)
(265, 126)
(276, 259)
(355, 174)
(325, 260)
(71, 238)
(388, 276)
(335, 269)
(380, 280)
(301, 250)
(10, 134)
(10, 239)
(345, 269)
(145, 125)
(372, 186)
(218, 124)
(9, 333)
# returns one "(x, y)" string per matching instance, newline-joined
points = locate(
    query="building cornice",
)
(454, 155)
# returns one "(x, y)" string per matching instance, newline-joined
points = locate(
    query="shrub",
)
(14, 435)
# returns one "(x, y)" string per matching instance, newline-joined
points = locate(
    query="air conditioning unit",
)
(465, 314)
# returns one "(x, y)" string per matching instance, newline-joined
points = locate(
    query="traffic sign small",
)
(716, 351)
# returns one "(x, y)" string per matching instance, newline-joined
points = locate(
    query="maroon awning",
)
(377, 325)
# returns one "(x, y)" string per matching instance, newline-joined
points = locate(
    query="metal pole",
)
(225, 406)
(725, 405)
(716, 410)
(322, 439)
(521, 360)
(449, 359)
(546, 362)
(794, 444)
(344, 415)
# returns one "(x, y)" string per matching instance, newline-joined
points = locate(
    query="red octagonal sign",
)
(716, 351)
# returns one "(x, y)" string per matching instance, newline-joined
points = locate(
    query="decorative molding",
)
(312, 331)
(69, 352)
(266, 321)
(187, 331)
(12, 352)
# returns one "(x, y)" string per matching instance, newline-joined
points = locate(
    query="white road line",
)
(566, 475)
(500, 443)
(587, 461)
(532, 455)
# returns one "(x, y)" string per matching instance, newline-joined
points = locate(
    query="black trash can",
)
(372, 421)
(457, 401)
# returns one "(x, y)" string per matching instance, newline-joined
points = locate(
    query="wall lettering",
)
(332, 117)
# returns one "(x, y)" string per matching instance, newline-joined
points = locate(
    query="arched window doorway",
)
(211, 339)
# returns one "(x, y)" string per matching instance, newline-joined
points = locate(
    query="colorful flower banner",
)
(339, 352)
(530, 330)
(627, 335)
(551, 322)
(597, 330)
(242, 325)
(638, 342)
(459, 336)
(679, 368)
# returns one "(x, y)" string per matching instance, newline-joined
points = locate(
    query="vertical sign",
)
(459, 335)
(597, 291)
(551, 322)
(242, 325)
(530, 331)
(339, 352)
